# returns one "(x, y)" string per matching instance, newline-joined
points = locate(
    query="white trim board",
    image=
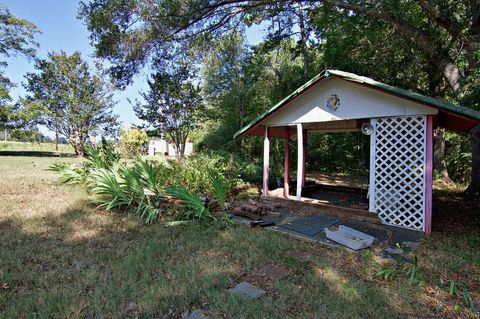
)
(356, 102)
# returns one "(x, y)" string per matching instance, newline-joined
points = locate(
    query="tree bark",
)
(303, 36)
(56, 139)
(439, 163)
(77, 144)
(473, 190)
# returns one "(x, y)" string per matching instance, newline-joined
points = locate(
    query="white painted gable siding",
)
(356, 102)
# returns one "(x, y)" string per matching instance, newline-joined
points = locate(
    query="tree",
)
(74, 102)
(133, 141)
(446, 32)
(171, 105)
(16, 39)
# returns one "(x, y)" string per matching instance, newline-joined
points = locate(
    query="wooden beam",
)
(266, 161)
(427, 223)
(286, 165)
(300, 163)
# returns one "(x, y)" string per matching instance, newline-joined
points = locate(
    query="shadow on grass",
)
(83, 264)
(36, 154)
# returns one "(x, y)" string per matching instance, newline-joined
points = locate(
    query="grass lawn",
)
(62, 258)
(35, 147)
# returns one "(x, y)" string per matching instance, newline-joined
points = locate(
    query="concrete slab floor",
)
(385, 236)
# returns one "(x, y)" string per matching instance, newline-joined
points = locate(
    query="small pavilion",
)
(400, 124)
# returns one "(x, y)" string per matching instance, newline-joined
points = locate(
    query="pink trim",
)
(287, 103)
(428, 175)
(286, 168)
(266, 162)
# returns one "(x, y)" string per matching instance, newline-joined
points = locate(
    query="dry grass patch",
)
(61, 257)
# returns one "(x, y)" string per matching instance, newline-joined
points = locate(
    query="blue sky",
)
(61, 30)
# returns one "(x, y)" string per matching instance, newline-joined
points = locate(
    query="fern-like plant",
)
(69, 173)
(220, 188)
(196, 209)
(109, 189)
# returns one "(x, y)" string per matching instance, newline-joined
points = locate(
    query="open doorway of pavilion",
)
(336, 170)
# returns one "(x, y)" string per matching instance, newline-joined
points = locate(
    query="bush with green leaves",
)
(133, 142)
(126, 187)
(145, 187)
(98, 156)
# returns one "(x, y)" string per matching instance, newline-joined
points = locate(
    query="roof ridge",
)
(404, 93)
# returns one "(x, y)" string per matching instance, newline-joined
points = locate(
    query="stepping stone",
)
(394, 251)
(274, 272)
(300, 255)
(247, 291)
(196, 314)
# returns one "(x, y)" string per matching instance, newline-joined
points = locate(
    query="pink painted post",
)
(305, 141)
(266, 162)
(286, 166)
(428, 175)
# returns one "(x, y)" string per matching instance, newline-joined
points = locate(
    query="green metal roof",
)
(436, 103)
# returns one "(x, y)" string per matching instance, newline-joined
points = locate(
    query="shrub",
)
(140, 186)
(98, 156)
(126, 187)
(133, 142)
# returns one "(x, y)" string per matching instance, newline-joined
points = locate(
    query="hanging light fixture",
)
(367, 128)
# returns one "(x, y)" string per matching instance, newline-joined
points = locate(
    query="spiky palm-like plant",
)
(196, 209)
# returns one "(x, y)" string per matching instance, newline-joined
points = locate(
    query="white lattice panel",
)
(400, 171)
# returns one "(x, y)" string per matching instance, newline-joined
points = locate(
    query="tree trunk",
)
(450, 72)
(79, 149)
(56, 139)
(439, 154)
(304, 37)
(473, 189)
(78, 145)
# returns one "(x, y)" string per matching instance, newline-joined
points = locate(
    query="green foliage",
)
(172, 103)
(220, 188)
(133, 142)
(339, 153)
(458, 289)
(411, 271)
(69, 174)
(16, 38)
(97, 157)
(72, 100)
(196, 209)
(102, 155)
(140, 186)
(458, 157)
(126, 187)
(150, 173)
(388, 273)
(112, 189)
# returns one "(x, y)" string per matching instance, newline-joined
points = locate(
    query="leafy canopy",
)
(73, 101)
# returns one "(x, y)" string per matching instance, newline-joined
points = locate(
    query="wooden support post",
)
(372, 172)
(286, 166)
(305, 141)
(266, 162)
(427, 222)
(300, 163)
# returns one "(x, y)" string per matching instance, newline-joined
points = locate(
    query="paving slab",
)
(274, 272)
(300, 255)
(196, 314)
(309, 225)
(247, 291)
